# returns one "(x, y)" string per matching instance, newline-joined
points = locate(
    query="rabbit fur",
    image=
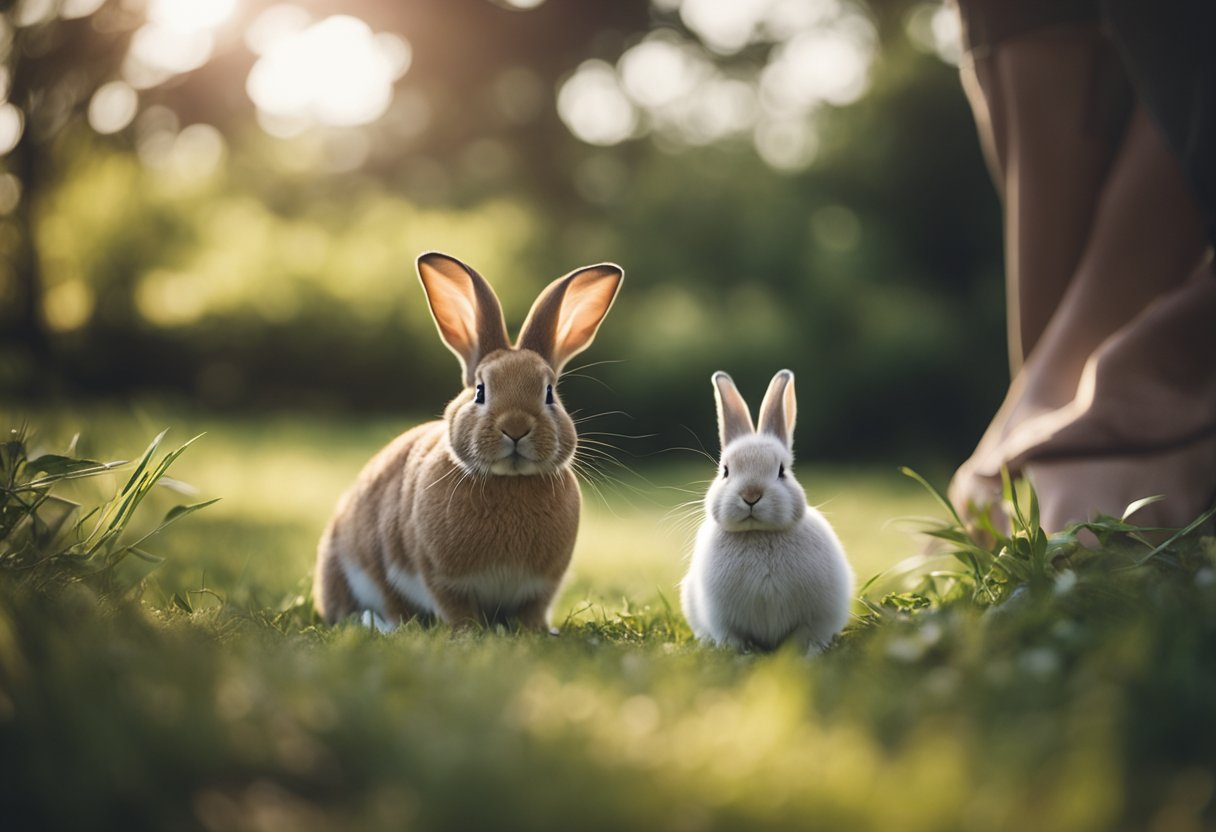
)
(766, 568)
(472, 519)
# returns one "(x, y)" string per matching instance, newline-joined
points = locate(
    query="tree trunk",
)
(29, 327)
(26, 333)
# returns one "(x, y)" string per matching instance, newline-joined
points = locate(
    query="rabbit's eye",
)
(780, 472)
(725, 471)
(480, 397)
(549, 394)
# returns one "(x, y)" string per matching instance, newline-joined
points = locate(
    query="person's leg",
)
(1072, 491)
(989, 110)
(1150, 387)
(1032, 99)
(1048, 147)
(1146, 238)
(1057, 159)
(1043, 137)
(1143, 422)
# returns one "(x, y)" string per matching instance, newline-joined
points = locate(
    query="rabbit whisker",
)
(588, 418)
(598, 381)
(591, 364)
(592, 461)
(586, 477)
(633, 437)
(453, 470)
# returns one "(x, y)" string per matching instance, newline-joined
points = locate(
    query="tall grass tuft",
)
(48, 541)
(987, 565)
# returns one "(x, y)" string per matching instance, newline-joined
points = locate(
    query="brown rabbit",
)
(472, 519)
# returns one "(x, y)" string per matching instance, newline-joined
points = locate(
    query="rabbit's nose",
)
(515, 426)
(751, 496)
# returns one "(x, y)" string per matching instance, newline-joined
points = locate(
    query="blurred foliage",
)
(193, 254)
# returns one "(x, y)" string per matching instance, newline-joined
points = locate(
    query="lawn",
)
(1048, 688)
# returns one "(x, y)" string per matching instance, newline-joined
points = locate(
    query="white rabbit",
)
(766, 567)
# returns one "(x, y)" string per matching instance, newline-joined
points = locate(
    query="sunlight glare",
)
(396, 51)
(335, 72)
(31, 12)
(593, 106)
(168, 299)
(661, 70)
(197, 152)
(190, 15)
(948, 34)
(158, 52)
(71, 9)
(786, 18)
(12, 125)
(816, 52)
(68, 305)
(935, 28)
(822, 65)
(718, 109)
(273, 25)
(112, 107)
(726, 26)
(786, 145)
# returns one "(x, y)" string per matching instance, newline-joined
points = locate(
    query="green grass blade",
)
(1136, 505)
(1183, 532)
(1011, 497)
(937, 495)
(144, 460)
(176, 513)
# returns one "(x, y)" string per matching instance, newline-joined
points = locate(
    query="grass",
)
(277, 480)
(1029, 685)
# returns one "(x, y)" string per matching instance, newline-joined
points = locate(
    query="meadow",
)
(215, 208)
(1029, 684)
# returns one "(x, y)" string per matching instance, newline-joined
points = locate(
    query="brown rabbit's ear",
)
(567, 314)
(779, 409)
(734, 419)
(465, 308)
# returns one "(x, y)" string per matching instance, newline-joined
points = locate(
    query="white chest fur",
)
(412, 588)
(763, 587)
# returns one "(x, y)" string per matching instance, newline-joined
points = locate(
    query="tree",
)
(58, 54)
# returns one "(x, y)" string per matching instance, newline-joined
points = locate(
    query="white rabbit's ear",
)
(465, 308)
(779, 409)
(565, 317)
(734, 419)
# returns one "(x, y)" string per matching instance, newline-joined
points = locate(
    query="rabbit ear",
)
(567, 314)
(734, 419)
(465, 308)
(779, 409)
